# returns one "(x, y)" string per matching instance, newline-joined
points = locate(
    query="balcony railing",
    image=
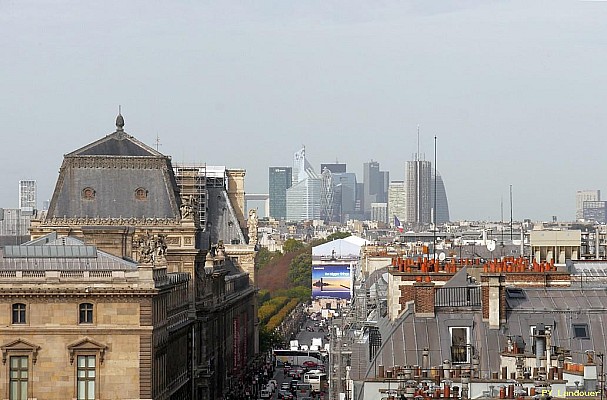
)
(467, 296)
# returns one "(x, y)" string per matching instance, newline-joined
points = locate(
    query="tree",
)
(300, 270)
(265, 257)
(292, 245)
(338, 235)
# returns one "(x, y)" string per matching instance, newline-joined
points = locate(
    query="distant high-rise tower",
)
(327, 194)
(595, 211)
(397, 201)
(442, 204)
(582, 196)
(375, 186)
(420, 194)
(27, 195)
(303, 197)
(418, 174)
(279, 181)
(335, 168)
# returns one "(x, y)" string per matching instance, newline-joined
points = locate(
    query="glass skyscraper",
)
(280, 180)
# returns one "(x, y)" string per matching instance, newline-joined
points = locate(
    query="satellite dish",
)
(491, 245)
(442, 256)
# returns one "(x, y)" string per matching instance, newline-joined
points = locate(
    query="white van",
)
(265, 394)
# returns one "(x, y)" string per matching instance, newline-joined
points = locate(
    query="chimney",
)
(424, 299)
(493, 299)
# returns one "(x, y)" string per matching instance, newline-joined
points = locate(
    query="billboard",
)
(331, 281)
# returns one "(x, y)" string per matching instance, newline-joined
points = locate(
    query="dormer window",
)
(88, 193)
(141, 194)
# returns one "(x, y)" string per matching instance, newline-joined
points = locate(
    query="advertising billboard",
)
(331, 281)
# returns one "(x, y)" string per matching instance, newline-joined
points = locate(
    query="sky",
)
(515, 92)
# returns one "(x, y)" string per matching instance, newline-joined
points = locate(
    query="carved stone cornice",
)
(118, 162)
(59, 295)
(103, 221)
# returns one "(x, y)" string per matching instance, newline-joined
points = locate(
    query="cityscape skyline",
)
(502, 86)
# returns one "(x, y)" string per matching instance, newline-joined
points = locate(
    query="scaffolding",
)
(194, 180)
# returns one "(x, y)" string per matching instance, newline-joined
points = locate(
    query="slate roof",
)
(561, 308)
(113, 169)
(44, 254)
(222, 223)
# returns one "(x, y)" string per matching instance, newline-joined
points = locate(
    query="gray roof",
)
(63, 254)
(560, 308)
(118, 143)
(106, 178)
(222, 223)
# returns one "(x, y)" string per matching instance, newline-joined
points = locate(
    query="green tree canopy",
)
(300, 270)
(292, 245)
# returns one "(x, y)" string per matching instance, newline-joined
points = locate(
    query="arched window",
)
(85, 313)
(19, 313)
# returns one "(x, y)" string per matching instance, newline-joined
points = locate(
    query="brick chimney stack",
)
(493, 299)
(424, 299)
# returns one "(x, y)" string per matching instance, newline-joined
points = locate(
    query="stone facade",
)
(112, 317)
(121, 196)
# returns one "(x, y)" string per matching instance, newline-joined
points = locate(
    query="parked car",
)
(285, 395)
(309, 364)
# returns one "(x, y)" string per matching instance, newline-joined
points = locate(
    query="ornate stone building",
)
(125, 198)
(79, 323)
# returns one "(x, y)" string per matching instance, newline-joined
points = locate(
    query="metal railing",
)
(467, 296)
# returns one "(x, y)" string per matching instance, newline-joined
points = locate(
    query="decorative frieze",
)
(105, 221)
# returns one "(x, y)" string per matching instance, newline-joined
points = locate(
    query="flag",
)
(397, 224)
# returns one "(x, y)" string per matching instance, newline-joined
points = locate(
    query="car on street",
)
(285, 395)
(309, 364)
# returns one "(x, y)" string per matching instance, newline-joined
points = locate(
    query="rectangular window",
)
(580, 331)
(18, 378)
(460, 345)
(86, 377)
(86, 313)
(19, 313)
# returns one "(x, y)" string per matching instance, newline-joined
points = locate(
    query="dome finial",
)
(119, 119)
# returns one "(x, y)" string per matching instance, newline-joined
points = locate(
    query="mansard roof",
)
(115, 177)
(52, 253)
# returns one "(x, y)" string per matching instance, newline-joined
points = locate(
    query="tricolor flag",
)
(397, 224)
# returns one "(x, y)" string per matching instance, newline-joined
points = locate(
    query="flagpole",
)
(434, 213)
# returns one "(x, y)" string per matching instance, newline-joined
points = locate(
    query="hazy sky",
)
(514, 91)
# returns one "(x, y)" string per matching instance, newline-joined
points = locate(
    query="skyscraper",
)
(442, 205)
(280, 179)
(397, 200)
(584, 195)
(375, 186)
(303, 197)
(345, 195)
(418, 175)
(27, 195)
(335, 168)
(327, 193)
(420, 189)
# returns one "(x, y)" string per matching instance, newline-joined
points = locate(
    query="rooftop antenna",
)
(158, 144)
(502, 221)
(511, 212)
(434, 211)
(417, 154)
